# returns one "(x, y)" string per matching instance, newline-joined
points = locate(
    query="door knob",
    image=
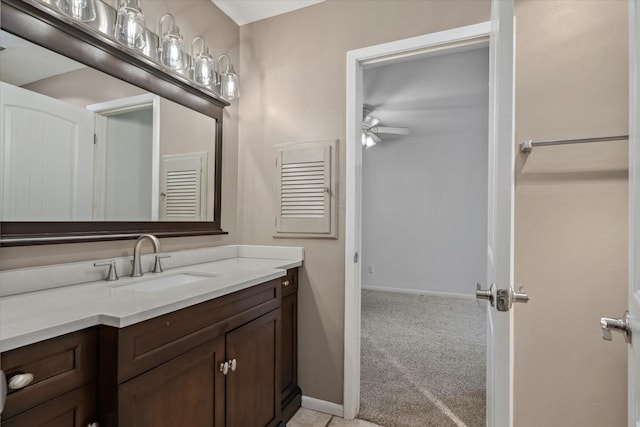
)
(502, 299)
(486, 294)
(622, 325)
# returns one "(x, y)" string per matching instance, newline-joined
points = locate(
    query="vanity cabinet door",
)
(291, 394)
(74, 409)
(253, 388)
(185, 391)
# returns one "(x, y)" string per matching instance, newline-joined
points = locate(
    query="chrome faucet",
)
(137, 264)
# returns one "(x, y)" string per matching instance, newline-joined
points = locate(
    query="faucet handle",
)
(112, 275)
(157, 268)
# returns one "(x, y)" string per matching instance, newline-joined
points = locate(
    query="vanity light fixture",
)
(204, 72)
(130, 29)
(228, 79)
(171, 44)
(80, 10)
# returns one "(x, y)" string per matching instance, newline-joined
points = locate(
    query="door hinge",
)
(95, 139)
(355, 257)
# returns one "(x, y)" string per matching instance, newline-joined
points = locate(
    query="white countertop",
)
(36, 316)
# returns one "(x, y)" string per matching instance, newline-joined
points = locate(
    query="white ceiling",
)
(21, 62)
(246, 11)
(430, 95)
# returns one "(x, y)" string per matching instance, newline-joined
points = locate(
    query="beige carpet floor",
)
(422, 361)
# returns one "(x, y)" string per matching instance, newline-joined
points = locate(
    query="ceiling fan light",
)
(367, 140)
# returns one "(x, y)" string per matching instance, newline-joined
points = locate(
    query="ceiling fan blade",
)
(375, 137)
(390, 130)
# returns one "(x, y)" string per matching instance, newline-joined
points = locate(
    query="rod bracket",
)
(526, 146)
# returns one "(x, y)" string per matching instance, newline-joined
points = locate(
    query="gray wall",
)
(424, 202)
(294, 90)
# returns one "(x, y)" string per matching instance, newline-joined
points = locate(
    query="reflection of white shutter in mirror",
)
(183, 189)
(306, 190)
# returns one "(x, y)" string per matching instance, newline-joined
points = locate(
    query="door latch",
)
(622, 325)
(501, 299)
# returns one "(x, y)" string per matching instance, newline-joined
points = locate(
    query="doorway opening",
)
(424, 238)
(127, 139)
(499, 36)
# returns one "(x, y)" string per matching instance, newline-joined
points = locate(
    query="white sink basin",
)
(167, 282)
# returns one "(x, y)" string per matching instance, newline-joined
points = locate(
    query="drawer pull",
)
(285, 283)
(19, 381)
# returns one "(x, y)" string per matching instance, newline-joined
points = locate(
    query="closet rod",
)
(527, 146)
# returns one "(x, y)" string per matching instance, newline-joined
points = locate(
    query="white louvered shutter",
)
(305, 189)
(183, 187)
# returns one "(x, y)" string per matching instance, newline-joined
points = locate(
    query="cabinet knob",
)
(224, 368)
(93, 425)
(233, 364)
(19, 381)
(285, 283)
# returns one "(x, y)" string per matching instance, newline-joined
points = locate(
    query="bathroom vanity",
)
(220, 351)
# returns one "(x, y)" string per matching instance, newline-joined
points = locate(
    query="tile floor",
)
(308, 418)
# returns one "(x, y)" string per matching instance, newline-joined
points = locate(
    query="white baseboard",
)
(418, 292)
(322, 406)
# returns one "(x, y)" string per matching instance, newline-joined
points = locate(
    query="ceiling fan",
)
(371, 128)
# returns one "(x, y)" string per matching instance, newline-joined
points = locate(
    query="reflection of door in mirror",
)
(47, 157)
(127, 147)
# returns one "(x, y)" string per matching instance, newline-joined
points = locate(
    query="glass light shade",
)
(367, 140)
(171, 44)
(130, 29)
(80, 10)
(172, 51)
(204, 70)
(203, 66)
(229, 87)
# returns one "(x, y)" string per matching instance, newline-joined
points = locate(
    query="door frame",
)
(102, 111)
(633, 372)
(449, 40)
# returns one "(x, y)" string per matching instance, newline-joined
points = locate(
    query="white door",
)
(634, 216)
(500, 216)
(47, 158)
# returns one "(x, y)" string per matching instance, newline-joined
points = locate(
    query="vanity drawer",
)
(289, 282)
(148, 344)
(58, 365)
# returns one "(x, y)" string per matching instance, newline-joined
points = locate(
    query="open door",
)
(500, 293)
(629, 324)
(46, 166)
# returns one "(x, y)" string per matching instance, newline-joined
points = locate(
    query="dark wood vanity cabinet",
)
(227, 362)
(62, 392)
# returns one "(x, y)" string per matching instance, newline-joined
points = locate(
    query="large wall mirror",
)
(98, 144)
